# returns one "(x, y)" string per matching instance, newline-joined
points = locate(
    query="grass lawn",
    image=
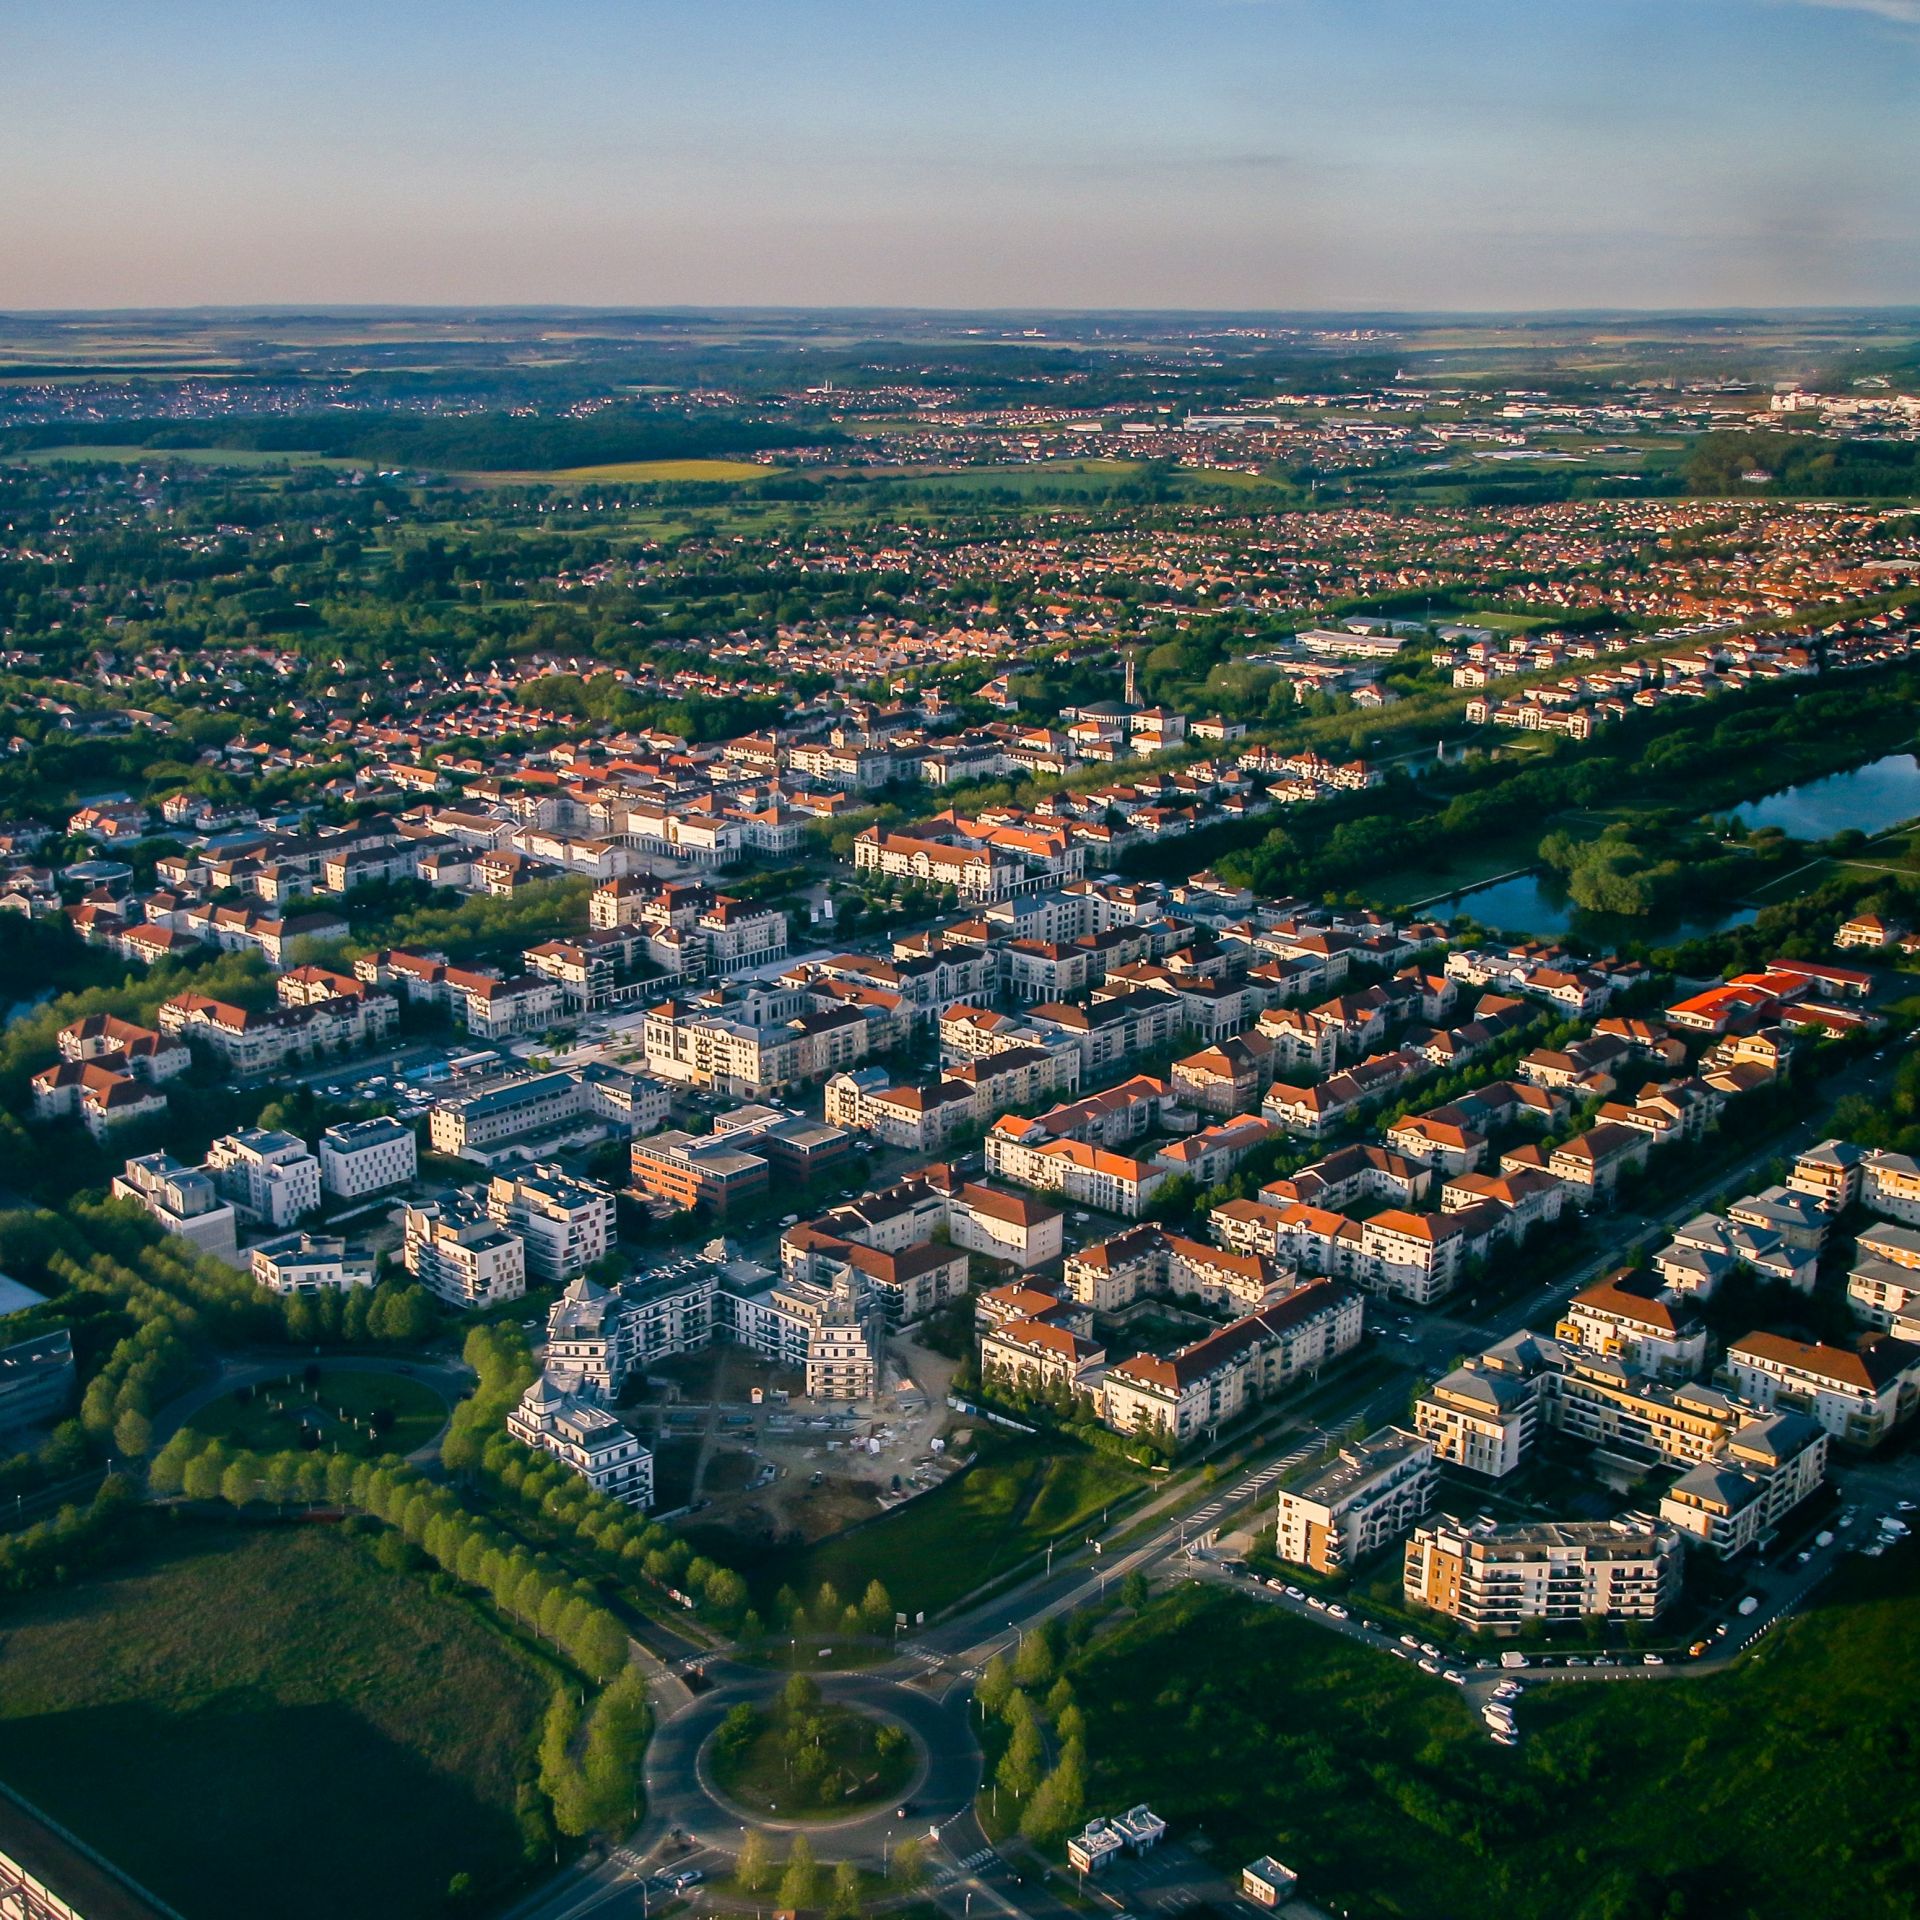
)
(255, 1722)
(1752, 1795)
(365, 1414)
(820, 1764)
(981, 1523)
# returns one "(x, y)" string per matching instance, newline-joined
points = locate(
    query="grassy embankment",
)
(268, 1722)
(942, 1545)
(1758, 1792)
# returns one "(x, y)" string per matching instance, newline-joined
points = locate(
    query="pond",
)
(1882, 794)
(1537, 904)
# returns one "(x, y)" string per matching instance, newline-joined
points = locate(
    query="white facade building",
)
(362, 1157)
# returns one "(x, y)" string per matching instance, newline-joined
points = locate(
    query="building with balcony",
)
(1505, 1579)
(1368, 1497)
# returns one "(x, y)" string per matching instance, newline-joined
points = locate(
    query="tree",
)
(844, 1901)
(800, 1884)
(132, 1433)
(1019, 1770)
(204, 1472)
(876, 1608)
(996, 1682)
(801, 1694)
(1058, 1807)
(1133, 1590)
(1033, 1665)
(909, 1866)
(754, 1868)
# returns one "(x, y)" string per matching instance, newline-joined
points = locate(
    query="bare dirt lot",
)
(789, 1468)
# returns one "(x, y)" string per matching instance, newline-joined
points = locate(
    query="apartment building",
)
(250, 1041)
(310, 1263)
(1367, 1498)
(1220, 1375)
(1111, 1274)
(524, 1113)
(125, 1045)
(362, 1158)
(1480, 1418)
(1502, 1580)
(1026, 1152)
(1038, 1355)
(100, 1095)
(1884, 1283)
(268, 1176)
(1890, 1186)
(183, 1200)
(1858, 1395)
(908, 1281)
(460, 1254)
(1833, 1173)
(1113, 1026)
(565, 1224)
(1487, 1413)
(1736, 1501)
(755, 1045)
(1012, 1227)
(554, 1417)
(603, 1335)
(1228, 1078)
(1634, 1322)
(1591, 1164)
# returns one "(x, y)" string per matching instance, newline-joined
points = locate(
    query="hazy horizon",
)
(1250, 156)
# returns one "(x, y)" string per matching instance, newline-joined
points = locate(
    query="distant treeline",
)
(484, 442)
(1803, 464)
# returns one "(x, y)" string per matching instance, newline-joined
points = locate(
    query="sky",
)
(1219, 154)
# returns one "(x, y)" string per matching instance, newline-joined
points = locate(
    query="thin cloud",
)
(1905, 12)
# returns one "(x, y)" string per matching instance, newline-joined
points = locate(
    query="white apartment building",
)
(1370, 1496)
(1890, 1186)
(1479, 1418)
(554, 1417)
(1499, 1580)
(362, 1157)
(183, 1200)
(460, 1254)
(565, 1224)
(269, 1176)
(605, 1334)
(310, 1263)
(1858, 1396)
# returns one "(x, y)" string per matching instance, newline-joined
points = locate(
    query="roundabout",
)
(932, 1768)
(810, 1759)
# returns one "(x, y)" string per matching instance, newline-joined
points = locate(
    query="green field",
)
(137, 456)
(350, 1411)
(1754, 1795)
(268, 1723)
(982, 1523)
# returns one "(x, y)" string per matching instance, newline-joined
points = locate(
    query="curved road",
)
(681, 1794)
